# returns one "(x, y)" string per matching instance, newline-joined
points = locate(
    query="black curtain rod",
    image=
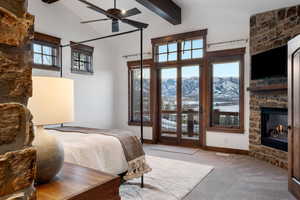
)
(99, 38)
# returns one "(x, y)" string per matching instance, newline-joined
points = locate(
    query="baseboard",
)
(147, 141)
(209, 148)
(227, 150)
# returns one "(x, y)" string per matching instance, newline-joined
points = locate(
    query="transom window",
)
(82, 58)
(45, 51)
(167, 52)
(180, 50)
(192, 49)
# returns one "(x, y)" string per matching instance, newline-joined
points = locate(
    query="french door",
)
(294, 116)
(179, 91)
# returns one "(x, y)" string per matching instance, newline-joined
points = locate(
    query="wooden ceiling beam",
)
(166, 9)
(49, 1)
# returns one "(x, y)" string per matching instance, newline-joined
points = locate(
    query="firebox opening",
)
(274, 131)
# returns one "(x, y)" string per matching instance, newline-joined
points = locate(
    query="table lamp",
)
(52, 103)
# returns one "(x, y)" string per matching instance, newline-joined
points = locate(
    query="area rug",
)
(169, 180)
(174, 149)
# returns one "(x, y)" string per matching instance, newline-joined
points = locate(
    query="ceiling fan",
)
(115, 15)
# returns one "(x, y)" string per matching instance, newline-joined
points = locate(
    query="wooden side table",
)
(79, 183)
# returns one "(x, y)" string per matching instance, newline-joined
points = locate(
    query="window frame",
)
(168, 52)
(179, 38)
(50, 41)
(148, 63)
(225, 56)
(201, 62)
(85, 50)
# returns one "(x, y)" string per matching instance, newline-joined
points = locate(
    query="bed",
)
(101, 150)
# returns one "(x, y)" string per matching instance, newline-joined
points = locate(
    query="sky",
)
(230, 69)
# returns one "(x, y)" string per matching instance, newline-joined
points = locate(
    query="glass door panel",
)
(169, 125)
(168, 105)
(169, 89)
(190, 102)
(180, 103)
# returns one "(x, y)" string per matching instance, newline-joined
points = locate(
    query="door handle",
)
(289, 127)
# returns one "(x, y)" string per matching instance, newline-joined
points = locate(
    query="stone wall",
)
(273, 29)
(17, 156)
(269, 30)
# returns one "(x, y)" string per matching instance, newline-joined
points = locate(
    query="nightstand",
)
(80, 183)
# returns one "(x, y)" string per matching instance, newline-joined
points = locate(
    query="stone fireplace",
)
(268, 94)
(274, 128)
(261, 146)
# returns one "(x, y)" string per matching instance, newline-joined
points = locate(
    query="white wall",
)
(93, 93)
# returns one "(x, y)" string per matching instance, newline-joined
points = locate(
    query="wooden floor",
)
(235, 177)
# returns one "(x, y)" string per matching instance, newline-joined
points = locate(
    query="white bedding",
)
(95, 151)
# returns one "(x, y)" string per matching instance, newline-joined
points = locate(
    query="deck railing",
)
(225, 119)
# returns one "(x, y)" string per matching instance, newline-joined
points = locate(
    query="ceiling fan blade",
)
(131, 12)
(96, 8)
(91, 21)
(115, 26)
(135, 23)
(99, 10)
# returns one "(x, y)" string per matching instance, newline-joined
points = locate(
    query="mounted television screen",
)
(270, 64)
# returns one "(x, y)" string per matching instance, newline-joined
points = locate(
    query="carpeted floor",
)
(169, 180)
(175, 149)
(235, 177)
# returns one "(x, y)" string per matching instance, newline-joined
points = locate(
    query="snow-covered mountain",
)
(225, 88)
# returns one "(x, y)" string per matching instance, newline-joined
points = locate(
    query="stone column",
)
(17, 156)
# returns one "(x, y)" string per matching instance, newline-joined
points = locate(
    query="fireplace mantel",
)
(269, 88)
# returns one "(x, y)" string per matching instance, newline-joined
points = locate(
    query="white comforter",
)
(95, 151)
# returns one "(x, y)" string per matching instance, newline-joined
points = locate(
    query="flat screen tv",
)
(270, 64)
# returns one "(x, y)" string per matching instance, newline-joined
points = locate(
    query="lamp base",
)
(50, 155)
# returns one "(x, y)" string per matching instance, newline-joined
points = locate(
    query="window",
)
(227, 90)
(180, 47)
(167, 52)
(45, 52)
(134, 73)
(82, 58)
(192, 49)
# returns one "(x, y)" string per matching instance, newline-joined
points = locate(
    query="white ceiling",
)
(190, 9)
(225, 19)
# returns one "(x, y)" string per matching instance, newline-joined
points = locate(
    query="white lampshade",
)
(52, 101)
